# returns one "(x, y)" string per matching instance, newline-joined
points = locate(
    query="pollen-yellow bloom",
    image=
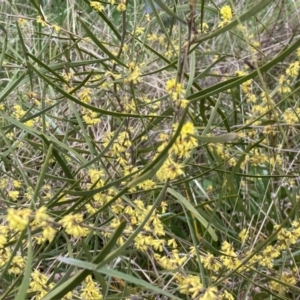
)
(226, 13)
(18, 219)
(73, 225)
(97, 6)
(169, 170)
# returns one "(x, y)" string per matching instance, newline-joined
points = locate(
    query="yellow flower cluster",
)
(230, 259)
(41, 20)
(153, 229)
(147, 185)
(243, 235)
(175, 90)
(3, 235)
(293, 69)
(211, 263)
(43, 220)
(156, 38)
(121, 6)
(97, 6)
(291, 116)
(18, 219)
(90, 117)
(139, 30)
(22, 21)
(223, 152)
(191, 285)
(169, 170)
(225, 296)
(39, 284)
(99, 199)
(120, 148)
(204, 28)
(255, 158)
(286, 277)
(172, 261)
(17, 265)
(90, 290)
(5, 255)
(182, 148)
(226, 15)
(85, 95)
(185, 143)
(68, 76)
(13, 195)
(288, 237)
(135, 73)
(284, 83)
(19, 113)
(73, 225)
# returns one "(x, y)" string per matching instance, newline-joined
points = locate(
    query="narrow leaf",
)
(193, 210)
(222, 138)
(27, 273)
(116, 274)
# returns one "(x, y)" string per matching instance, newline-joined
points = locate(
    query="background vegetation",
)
(149, 150)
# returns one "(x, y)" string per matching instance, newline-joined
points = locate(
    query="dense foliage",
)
(149, 150)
